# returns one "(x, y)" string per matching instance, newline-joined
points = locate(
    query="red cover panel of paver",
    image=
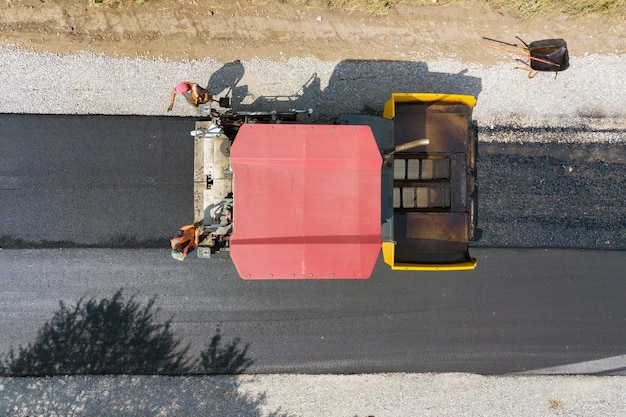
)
(306, 201)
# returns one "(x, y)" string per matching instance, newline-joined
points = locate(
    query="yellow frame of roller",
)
(389, 248)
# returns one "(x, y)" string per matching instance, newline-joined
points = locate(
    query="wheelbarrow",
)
(541, 55)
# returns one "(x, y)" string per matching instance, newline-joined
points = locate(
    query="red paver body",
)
(307, 201)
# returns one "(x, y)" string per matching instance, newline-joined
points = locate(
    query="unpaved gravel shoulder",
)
(589, 94)
(66, 57)
(380, 395)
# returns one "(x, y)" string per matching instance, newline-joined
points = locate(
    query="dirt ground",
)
(228, 30)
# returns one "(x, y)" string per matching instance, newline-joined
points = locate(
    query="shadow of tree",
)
(81, 348)
(107, 395)
(117, 336)
(227, 360)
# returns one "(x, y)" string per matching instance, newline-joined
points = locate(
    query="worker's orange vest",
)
(186, 239)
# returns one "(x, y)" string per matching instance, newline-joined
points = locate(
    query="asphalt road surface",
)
(520, 310)
(101, 182)
(126, 181)
(94, 180)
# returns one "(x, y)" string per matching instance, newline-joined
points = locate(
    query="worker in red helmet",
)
(193, 93)
(185, 241)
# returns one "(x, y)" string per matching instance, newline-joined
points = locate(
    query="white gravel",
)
(381, 395)
(591, 93)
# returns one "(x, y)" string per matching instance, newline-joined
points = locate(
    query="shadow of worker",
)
(224, 82)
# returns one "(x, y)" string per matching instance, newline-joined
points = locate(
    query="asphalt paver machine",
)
(288, 199)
